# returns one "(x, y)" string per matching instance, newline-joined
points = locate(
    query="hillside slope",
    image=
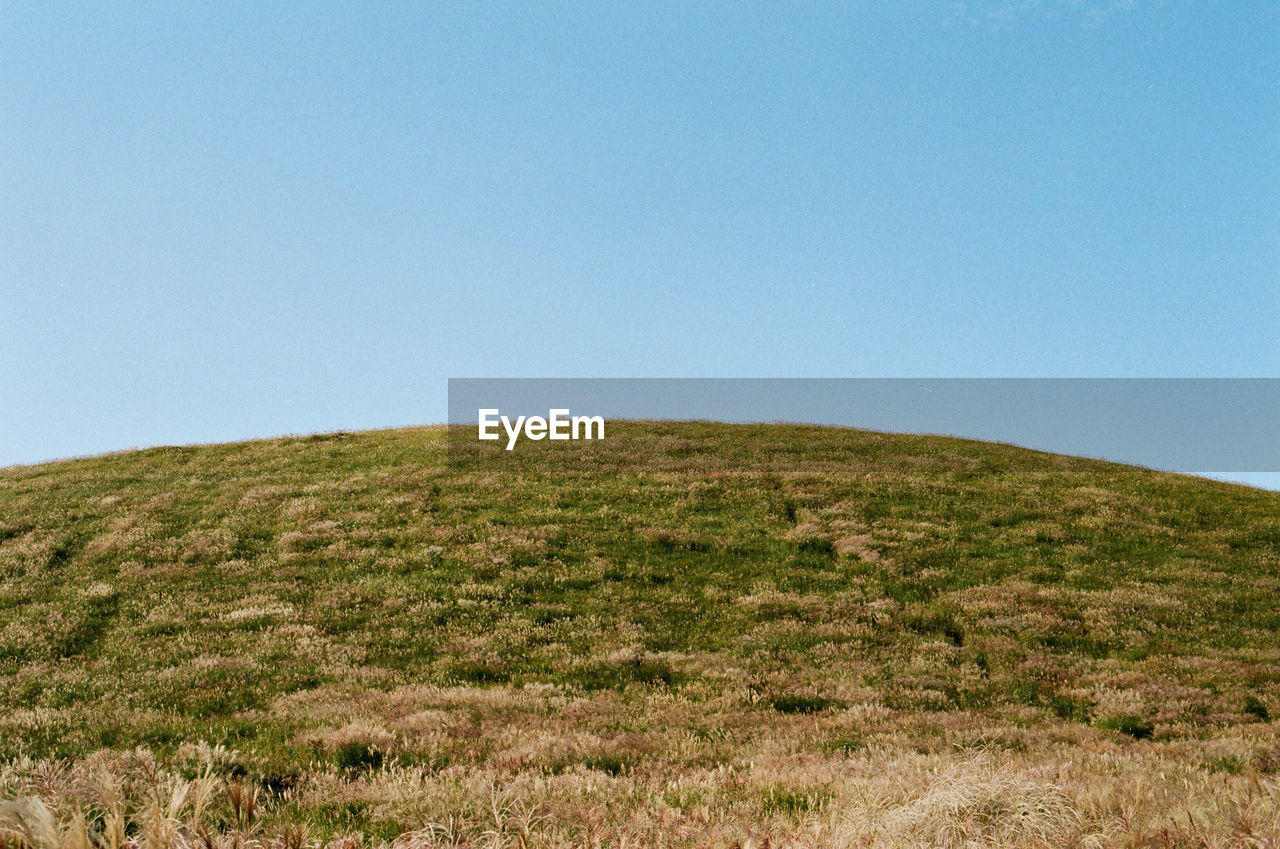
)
(688, 632)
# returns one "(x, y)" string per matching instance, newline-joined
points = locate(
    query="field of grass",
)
(687, 634)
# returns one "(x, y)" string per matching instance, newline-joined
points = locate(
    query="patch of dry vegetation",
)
(971, 783)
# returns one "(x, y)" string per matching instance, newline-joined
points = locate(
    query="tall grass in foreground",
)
(1098, 797)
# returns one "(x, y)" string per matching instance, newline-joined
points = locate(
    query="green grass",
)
(232, 594)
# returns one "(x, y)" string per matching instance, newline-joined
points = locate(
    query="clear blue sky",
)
(241, 220)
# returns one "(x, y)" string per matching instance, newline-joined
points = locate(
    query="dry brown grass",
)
(553, 774)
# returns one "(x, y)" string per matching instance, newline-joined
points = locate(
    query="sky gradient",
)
(241, 220)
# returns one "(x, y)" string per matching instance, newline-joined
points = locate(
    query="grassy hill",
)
(687, 634)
